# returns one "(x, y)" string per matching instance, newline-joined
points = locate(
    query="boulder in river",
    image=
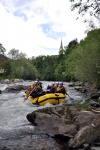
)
(71, 126)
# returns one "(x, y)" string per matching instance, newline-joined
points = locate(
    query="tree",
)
(24, 69)
(84, 7)
(2, 49)
(60, 72)
(7, 68)
(46, 66)
(21, 55)
(70, 60)
(72, 44)
(14, 54)
(84, 61)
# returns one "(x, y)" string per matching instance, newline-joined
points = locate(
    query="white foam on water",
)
(3, 86)
(13, 110)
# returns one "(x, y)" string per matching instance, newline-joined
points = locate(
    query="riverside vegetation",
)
(78, 61)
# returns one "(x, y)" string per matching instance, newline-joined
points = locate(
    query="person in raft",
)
(56, 86)
(53, 89)
(33, 90)
(61, 88)
(39, 82)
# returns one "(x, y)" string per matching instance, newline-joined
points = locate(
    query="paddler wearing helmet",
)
(33, 90)
(61, 88)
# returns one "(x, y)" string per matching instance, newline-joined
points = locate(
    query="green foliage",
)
(72, 45)
(14, 54)
(70, 58)
(85, 7)
(60, 71)
(70, 68)
(85, 106)
(87, 66)
(7, 68)
(3, 57)
(4, 66)
(24, 69)
(46, 66)
(81, 62)
(2, 49)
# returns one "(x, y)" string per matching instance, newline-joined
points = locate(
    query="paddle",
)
(29, 94)
(69, 96)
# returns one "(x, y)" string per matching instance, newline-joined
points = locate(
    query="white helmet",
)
(57, 82)
(35, 82)
(53, 83)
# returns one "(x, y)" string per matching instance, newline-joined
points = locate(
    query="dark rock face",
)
(15, 89)
(86, 135)
(69, 126)
(92, 90)
(52, 120)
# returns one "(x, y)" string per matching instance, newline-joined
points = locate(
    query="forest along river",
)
(13, 111)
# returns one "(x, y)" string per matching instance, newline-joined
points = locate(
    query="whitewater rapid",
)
(13, 111)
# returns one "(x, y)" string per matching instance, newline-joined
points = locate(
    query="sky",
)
(36, 27)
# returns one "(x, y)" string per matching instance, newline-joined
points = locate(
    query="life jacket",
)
(33, 89)
(61, 90)
(38, 88)
(53, 89)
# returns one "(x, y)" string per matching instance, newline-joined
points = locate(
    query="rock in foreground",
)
(71, 127)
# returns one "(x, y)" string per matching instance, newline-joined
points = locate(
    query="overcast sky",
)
(35, 27)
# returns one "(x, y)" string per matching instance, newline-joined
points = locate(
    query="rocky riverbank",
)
(71, 127)
(91, 91)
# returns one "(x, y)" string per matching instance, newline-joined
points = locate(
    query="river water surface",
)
(13, 111)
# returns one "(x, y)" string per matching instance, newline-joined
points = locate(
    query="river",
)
(13, 111)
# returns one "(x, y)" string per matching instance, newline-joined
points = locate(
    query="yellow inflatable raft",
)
(52, 98)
